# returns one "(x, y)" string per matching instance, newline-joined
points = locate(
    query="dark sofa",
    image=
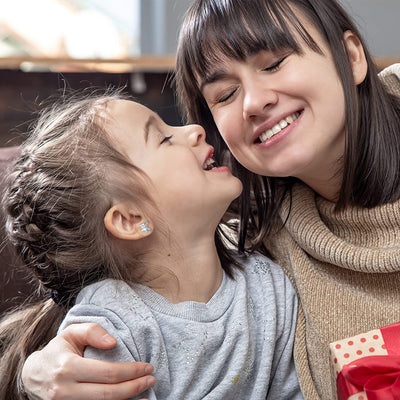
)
(15, 285)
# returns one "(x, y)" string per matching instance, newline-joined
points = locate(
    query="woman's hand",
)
(59, 372)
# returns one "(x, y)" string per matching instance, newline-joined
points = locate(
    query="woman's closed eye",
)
(224, 97)
(275, 66)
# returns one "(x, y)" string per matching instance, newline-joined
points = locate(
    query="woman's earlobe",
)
(357, 58)
(123, 222)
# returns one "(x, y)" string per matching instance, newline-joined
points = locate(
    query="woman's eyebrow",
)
(149, 123)
(212, 78)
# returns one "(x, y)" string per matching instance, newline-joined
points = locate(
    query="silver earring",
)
(144, 227)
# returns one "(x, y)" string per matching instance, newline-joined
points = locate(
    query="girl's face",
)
(184, 182)
(281, 114)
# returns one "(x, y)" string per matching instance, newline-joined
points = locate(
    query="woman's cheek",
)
(228, 125)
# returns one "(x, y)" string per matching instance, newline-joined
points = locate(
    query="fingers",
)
(81, 335)
(58, 371)
(79, 378)
(95, 371)
(92, 391)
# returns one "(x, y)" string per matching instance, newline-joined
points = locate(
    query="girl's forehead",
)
(127, 121)
(122, 107)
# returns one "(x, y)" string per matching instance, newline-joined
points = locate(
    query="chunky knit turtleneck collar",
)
(360, 239)
(390, 76)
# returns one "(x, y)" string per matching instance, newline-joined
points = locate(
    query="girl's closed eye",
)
(166, 139)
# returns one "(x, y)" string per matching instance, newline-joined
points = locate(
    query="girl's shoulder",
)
(258, 268)
(111, 303)
(257, 263)
(268, 289)
(114, 295)
(105, 291)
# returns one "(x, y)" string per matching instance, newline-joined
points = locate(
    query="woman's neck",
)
(325, 185)
(324, 174)
(327, 190)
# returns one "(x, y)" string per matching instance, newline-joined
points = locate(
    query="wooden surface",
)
(143, 63)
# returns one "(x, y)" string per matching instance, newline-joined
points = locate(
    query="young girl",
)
(289, 88)
(117, 214)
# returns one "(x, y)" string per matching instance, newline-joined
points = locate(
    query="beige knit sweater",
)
(346, 269)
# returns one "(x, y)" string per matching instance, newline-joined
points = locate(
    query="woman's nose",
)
(257, 99)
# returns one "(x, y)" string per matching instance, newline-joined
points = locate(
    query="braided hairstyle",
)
(59, 191)
(67, 176)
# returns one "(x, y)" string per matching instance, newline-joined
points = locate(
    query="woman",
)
(290, 89)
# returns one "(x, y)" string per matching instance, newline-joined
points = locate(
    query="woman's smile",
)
(279, 127)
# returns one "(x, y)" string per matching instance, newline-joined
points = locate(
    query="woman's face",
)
(281, 114)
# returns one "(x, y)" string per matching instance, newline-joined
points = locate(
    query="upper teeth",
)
(278, 127)
(209, 164)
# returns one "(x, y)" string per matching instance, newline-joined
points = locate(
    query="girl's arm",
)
(59, 371)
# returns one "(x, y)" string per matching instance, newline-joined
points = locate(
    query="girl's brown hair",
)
(65, 180)
(238, 29)
(55, 201)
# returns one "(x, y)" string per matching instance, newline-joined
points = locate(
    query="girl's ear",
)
(357, 56)
(123, 222)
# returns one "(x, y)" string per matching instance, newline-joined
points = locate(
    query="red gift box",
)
(367, 366)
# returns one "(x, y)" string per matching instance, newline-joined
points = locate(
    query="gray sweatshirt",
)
(237, 346)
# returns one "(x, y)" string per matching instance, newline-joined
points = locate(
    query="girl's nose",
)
(196, 135)
(257, 99)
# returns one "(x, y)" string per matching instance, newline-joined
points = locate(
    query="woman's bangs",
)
(228, 30)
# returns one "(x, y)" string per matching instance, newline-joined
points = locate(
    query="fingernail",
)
(150, 381)
(148, 369)
(108, 339)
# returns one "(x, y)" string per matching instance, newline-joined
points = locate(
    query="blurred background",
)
(47, 45)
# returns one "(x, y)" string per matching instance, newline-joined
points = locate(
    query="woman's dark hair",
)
(237, 29)
(66, 178)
